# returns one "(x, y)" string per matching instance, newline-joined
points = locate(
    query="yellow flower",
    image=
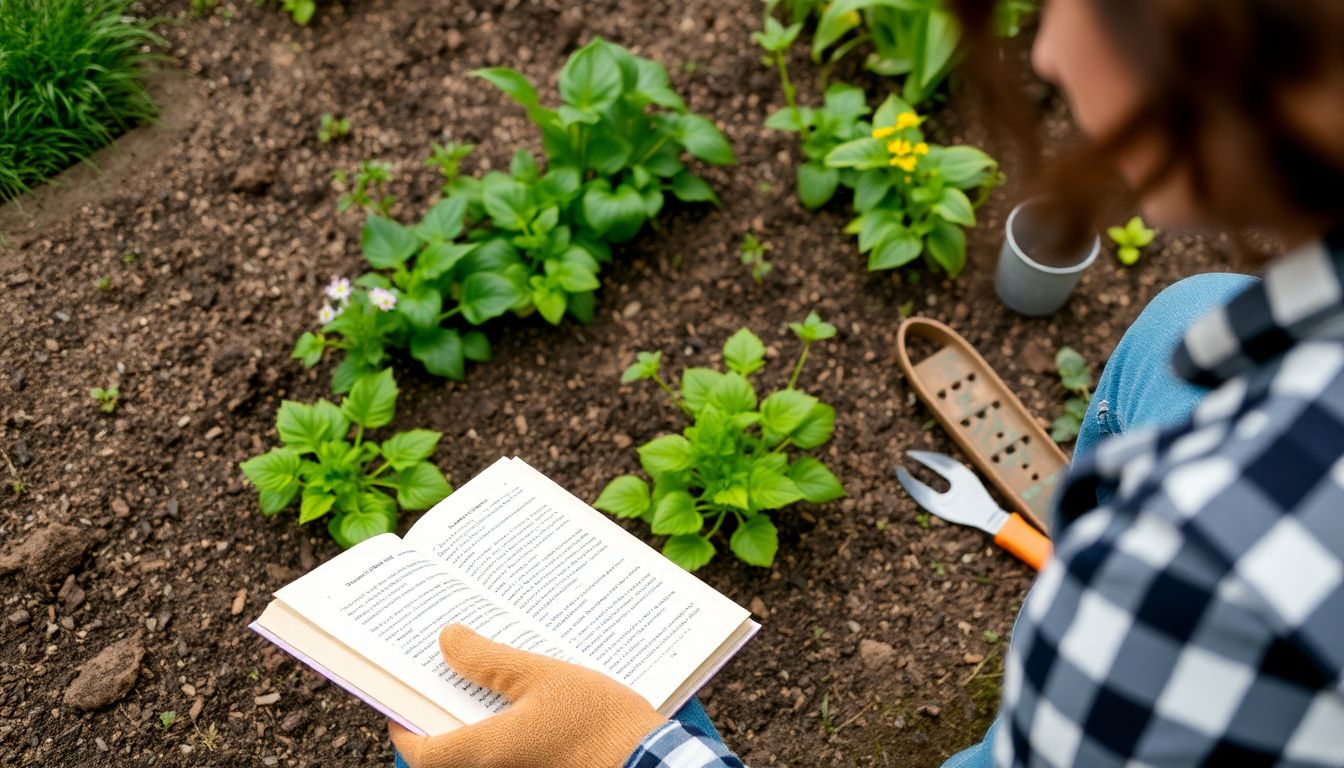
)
(907, 120)
(884, 131)
(906, 163)
(899, 147)
(921, 149)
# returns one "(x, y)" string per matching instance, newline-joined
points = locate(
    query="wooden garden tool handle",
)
(1023, 540)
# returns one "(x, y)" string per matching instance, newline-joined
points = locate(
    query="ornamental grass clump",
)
(71, 80)
(731, 468)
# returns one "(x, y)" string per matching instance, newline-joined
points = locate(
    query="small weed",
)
(104, 284)
(166, 719)
(990, 636)
(367, 193)
(130, 257)
(907, 309)
(826, 724)
(881, 525)
(208, 738)
(1131, 239)
(203, 7)
(332, 128)
(818, 631)
(765, 187)
(301, 11)
(922, 519)
(938, 568)
(106, 398)
(753, 255)
(18, 487)
(254, 675)
(1077, 379)
(448, 157)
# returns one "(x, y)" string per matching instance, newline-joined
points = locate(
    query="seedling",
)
(301, 11)
(1130, 240)
(367, 194)
(106, 399)
(753, 255)
(166, 719)
(990, 636)
(18, 487)
(203, 7)
(332, 128)
(359, 483)
(130, 257)
(731, 464)
(1077, 379)
(448, 157)
(104, 284)
(776, 39)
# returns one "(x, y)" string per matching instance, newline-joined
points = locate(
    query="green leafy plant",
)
(104, 284)
(71, 80)
(358, 482)
(732, 464)
(1130, 240)
(918, 40)
(448, 157)
(426, 282)
(752, 253)
(166, 719)
(301, 11)
(614, 148)
(332, 128)
(18, 487)
(1077, 379)
(910, 196)
(367, 193)
(106, 399)
(203, 7)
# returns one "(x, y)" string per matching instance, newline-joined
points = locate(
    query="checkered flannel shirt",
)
(679, 746)
(1197, 616)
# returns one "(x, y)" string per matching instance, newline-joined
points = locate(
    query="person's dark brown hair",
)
(1225, 83)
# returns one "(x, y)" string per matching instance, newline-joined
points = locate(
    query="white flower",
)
(383, 299)
(328, 313)
(338, 289)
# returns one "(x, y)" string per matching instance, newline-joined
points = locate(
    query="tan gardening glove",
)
(562, 716)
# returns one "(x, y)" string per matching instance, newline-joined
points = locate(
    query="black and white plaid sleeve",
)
(1197, 618)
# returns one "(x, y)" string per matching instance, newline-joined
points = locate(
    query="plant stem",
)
(797, 369)
(718, 522)
(791, 95)
(672, 394)
(445, 315)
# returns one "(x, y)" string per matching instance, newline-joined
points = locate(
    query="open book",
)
(522, 561)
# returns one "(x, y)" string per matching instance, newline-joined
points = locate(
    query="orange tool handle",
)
(1020, 538)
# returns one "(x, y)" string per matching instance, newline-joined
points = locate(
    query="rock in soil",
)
(875, 655)
(108, 676)
(47, 555)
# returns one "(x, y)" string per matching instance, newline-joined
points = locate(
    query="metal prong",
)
(952, 470)
(924, 495)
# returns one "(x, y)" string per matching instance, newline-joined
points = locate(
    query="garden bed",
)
(878, 642)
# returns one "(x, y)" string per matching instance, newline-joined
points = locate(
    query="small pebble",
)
(19, 617)
(266, 699)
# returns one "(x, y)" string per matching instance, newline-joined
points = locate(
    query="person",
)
(1194, 608)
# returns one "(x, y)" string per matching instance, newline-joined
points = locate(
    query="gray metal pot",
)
(1023, 280)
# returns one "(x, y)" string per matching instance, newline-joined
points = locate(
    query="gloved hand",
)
(562, 715)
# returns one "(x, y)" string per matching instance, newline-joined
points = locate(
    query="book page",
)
(389, 602)
(641, 619)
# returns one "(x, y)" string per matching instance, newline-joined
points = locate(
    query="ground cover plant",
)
(1130, 240)
(731, 464)
(71, 79)
(358, 481)
(1076, 378)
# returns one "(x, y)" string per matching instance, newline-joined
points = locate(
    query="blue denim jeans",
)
(1138, 388)
(693, 714)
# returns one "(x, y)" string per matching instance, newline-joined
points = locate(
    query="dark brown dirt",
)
(877, 648)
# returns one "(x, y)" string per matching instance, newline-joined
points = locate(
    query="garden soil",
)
(135, 555)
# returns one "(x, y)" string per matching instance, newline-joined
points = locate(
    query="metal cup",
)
(1026, 284)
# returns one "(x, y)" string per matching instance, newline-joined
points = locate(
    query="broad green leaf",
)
(476, 347)
(744, 352)
(733, 496)
(616, 214)
(591, 79)
(439, 258)
(550, 303)
(941, 37)
(421, 486)
(669, 453)
(373, 514)
(372, 400)
(846, 102)
(508, 203)
(440, 350)
(871, 188)
(697, 384)
(815, 428)
(309, 349)
(704, 140)
(572, 276)
(900, 247)
(689, 551)
(946, 245)
(608, 153)
(510, 82)
(816, 184)
(386, 243)
(961, 166)
(755, 541)
(955, 207)
(654, 85)
(817, 483)
(775, 37)
(421, 307)
(676, 514)
(486, 295)
(406, 448)
(350, 370)
(1073, 371)
(274, 501)
(784, 410)
(812, 329)
(1065, 427)
(277, 470)
(732, 394)
(771, 490)
(303, 427)
(625, 496)
(863, 154)
(788, 119)
(314, 504)
(692, 189)
(443, 221)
